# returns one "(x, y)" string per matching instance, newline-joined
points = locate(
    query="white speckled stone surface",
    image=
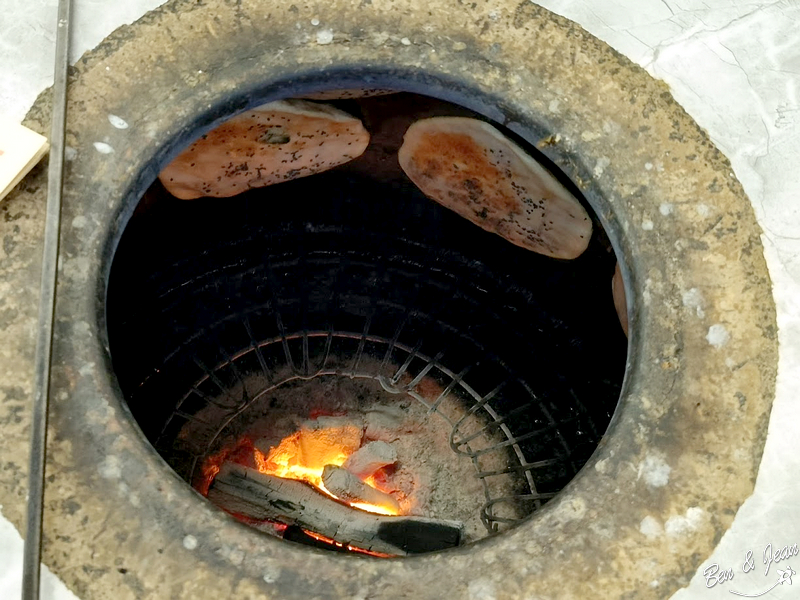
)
(735, 66)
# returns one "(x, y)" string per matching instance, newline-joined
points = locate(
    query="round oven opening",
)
(345, 318)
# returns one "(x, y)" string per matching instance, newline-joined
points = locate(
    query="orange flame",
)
(328, 540)
(301, 456)
(287, 460)
(241, 453)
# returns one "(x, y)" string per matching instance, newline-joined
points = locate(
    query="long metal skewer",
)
(47, 301)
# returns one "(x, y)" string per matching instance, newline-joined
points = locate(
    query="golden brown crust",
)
(471, 168)
(276, 142)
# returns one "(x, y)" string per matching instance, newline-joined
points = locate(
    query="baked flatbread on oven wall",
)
(275, 142)
(471, 168)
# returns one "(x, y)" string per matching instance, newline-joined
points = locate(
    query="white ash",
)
(369, 458)
(348, 487)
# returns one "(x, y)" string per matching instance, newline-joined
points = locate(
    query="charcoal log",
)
(344, 485)
(254, 495)
(369, 458)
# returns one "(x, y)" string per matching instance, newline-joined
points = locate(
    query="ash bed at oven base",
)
(429, 480)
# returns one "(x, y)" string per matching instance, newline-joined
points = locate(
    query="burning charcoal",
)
(346, 486)
(471, 168)
(255, 496)
(319, 442)
(265, 145)
(369, 458)
(618, 291)
(325, 439)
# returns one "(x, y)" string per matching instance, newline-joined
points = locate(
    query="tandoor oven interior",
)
(350, 306)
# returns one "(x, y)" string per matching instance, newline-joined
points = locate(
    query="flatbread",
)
(473, 169)
(620, 302)
(269, 144)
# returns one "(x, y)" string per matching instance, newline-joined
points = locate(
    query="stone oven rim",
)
(110, 176)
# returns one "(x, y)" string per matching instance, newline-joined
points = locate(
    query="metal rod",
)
(44, 341)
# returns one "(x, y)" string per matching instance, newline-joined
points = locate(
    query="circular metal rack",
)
(505, 333)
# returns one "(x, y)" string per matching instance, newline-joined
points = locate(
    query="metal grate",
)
(259, 308)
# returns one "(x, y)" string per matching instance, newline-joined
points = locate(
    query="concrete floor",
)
(735, 66)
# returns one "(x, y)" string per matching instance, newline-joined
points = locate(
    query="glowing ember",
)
(241, 453)
(301, 456)
(327, 540)
(286, 460)
(295, 458)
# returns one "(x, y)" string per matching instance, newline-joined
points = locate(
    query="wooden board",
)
(20, 150)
